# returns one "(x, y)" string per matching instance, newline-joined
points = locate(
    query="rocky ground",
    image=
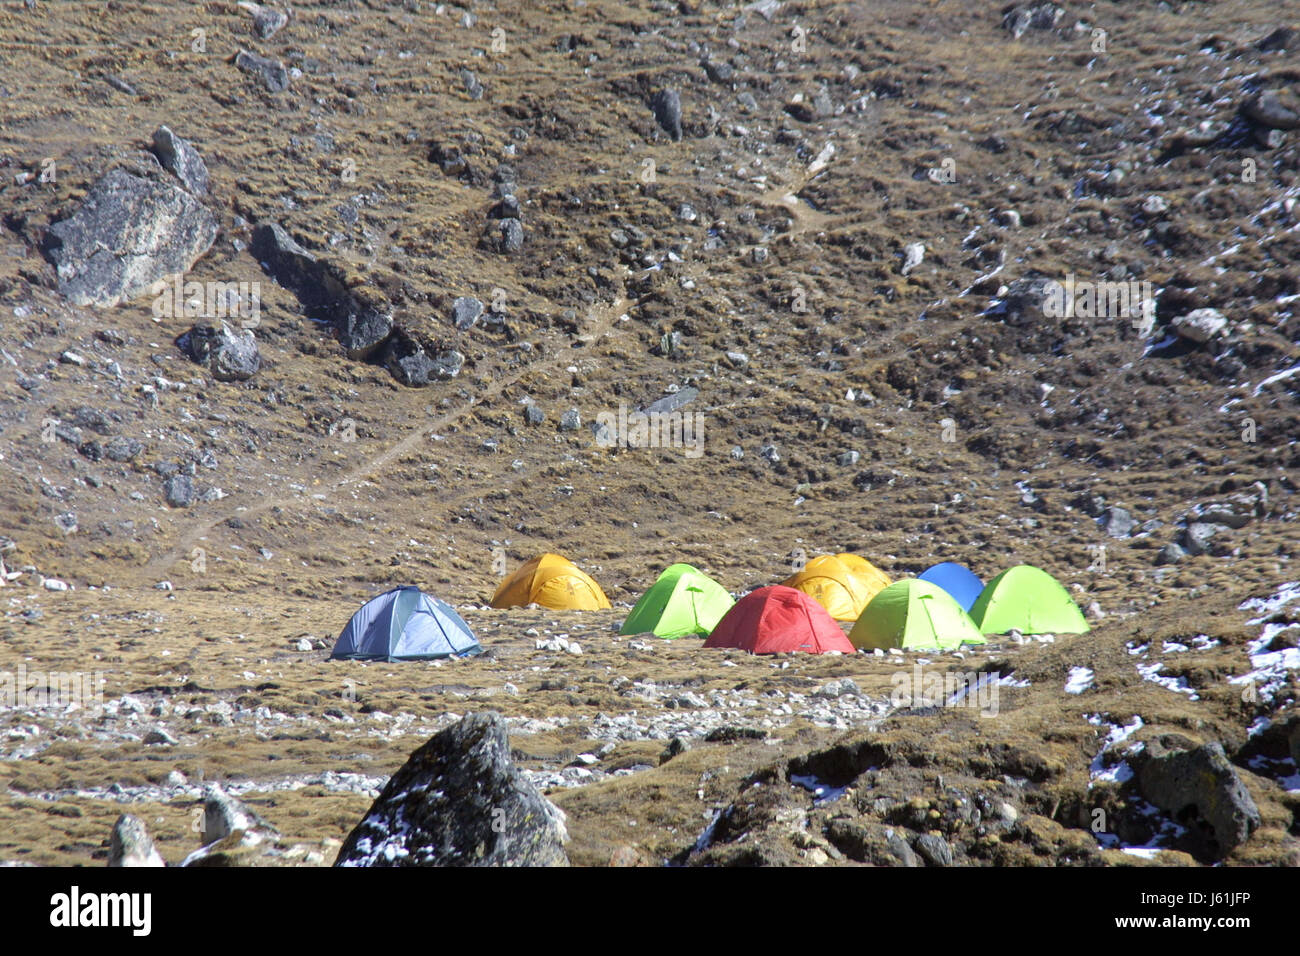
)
(820, 230)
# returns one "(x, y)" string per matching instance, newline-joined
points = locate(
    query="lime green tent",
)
(683, 601)
(914, 615)
(1028, 599)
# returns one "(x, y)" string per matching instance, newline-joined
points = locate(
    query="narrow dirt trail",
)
(601, 319)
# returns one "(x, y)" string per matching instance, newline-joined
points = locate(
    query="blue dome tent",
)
(957, 579)
(405, 624)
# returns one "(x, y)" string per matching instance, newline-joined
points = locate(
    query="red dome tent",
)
(778, 620)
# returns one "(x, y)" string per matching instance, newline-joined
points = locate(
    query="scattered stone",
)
(159, 736)
(570, 421)
(418, 363)
(472, 85)
(181, 159)
(465, 311)
(130, 845)
(229, 355)
(1171, 553)
(1116, 522)
(676, 747)
(460, 801)
(1196, 537)
(267, 21)
(224, 815)
(1273, 110)
(913, 255)
(509, 236)
(122, 449)
(271, 72)
(1032, 16)
(934, 849)
(1200, 325)
(667, 106)
(127, 234)
(179, 491)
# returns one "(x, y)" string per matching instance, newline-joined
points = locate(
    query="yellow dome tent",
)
(842, 587)
(553, 582)
(874, 579)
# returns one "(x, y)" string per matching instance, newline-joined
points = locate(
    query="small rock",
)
(181, 159)
(934, 849)
(667, 106)
(465, 311)
(179, 491)
(1200, 325)
(570, 421)
(267, 21)
(1117, 522)
(271, 72)
(913, 255)
(130, 845)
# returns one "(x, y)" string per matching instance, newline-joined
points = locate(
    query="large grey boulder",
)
(128, 233)
(460, 801)
(130, 844)
(1203, 792)
(362, 326)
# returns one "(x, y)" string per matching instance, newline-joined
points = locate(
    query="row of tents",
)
(944, 607)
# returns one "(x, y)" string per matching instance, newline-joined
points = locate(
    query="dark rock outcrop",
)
(459, 801)
(362, 326)
(1203, 792)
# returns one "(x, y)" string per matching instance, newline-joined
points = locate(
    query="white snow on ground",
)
(1287, 373)
(1098, 772)
(1269, 668)
(1135, 649)
(1080, 679)
(1146, 852)
(1151, 672)
(1010, 681)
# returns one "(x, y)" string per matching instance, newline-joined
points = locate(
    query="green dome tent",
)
(683, 601)
(914, 615)
(1030, 600)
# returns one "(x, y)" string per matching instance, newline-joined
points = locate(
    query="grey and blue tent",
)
(957, 579)
(405, 624)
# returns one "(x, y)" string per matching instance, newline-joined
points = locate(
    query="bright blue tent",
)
(405, 624)
(957, 579)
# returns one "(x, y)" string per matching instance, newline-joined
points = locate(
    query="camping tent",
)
(405, 624)
(777, 620)
(914, 615)
(871, 576)
(682, 601)
(553, 582)
(957, 579)
(833, 585)
(1030, 600)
